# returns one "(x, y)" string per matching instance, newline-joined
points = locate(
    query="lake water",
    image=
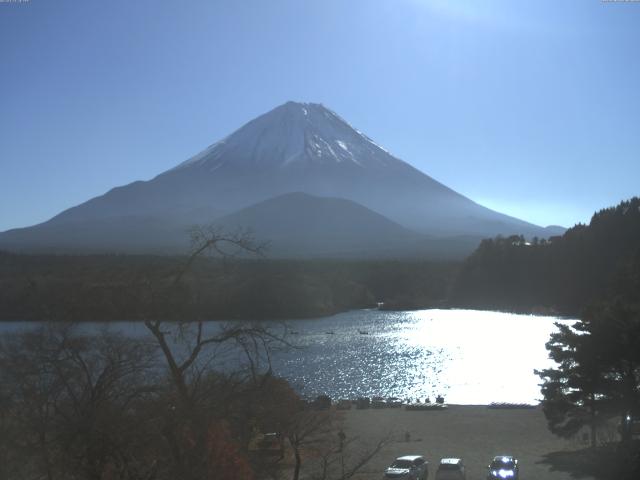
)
(468, 356)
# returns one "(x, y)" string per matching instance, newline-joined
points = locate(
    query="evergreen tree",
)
(615, 327)
(572, 391)
(563, 274)
(598, 372)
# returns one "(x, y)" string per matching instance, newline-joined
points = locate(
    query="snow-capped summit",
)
(296, 147)
(293, 133)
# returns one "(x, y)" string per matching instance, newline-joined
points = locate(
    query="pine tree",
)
(598, 372)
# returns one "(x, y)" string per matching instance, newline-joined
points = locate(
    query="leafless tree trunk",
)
(315, 438)
(75, 404)
(185, 358)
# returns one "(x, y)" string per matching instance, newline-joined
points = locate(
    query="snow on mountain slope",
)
(289, 134)
(296, 147)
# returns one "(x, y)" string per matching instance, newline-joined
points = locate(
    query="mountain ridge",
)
(295, 147)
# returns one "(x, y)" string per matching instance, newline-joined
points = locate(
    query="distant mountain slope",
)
(294, 225)
(124, 234)
(297, 224)
(297, 147)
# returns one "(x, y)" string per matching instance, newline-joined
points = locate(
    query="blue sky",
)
(530, 108)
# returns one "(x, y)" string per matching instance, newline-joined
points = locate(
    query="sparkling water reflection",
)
(468, 356)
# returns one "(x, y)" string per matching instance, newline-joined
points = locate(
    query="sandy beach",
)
(475, 433)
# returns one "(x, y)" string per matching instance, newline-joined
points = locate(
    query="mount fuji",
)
(301, 148)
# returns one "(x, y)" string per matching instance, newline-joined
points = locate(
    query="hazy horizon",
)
(529, 110)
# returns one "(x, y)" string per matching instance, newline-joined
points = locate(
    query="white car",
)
(451, 469)
(410, 467)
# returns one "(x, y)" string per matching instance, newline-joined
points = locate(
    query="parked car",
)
(503, 467)
(413, 467)
(451, 469)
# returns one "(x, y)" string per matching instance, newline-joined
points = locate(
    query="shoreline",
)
(310, 317)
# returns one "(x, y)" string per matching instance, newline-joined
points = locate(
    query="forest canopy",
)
(560, 275)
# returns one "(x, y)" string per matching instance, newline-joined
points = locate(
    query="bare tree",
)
(76, 404)
(308, 430)
(191, 348)
(317, 438)
(345, 462)
(191, 331)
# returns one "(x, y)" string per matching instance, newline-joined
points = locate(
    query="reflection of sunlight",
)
(467, 356)
(490, 353)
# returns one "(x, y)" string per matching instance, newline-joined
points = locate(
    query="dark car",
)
(503, 467)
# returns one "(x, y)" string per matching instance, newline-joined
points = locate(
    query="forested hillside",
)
(125, 287)
(561, 275)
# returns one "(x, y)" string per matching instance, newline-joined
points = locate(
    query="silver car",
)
(451, 469)
(409, 467)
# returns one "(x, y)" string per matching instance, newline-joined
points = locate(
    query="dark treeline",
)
(595, 382)
(119, 287)
(564, 274)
